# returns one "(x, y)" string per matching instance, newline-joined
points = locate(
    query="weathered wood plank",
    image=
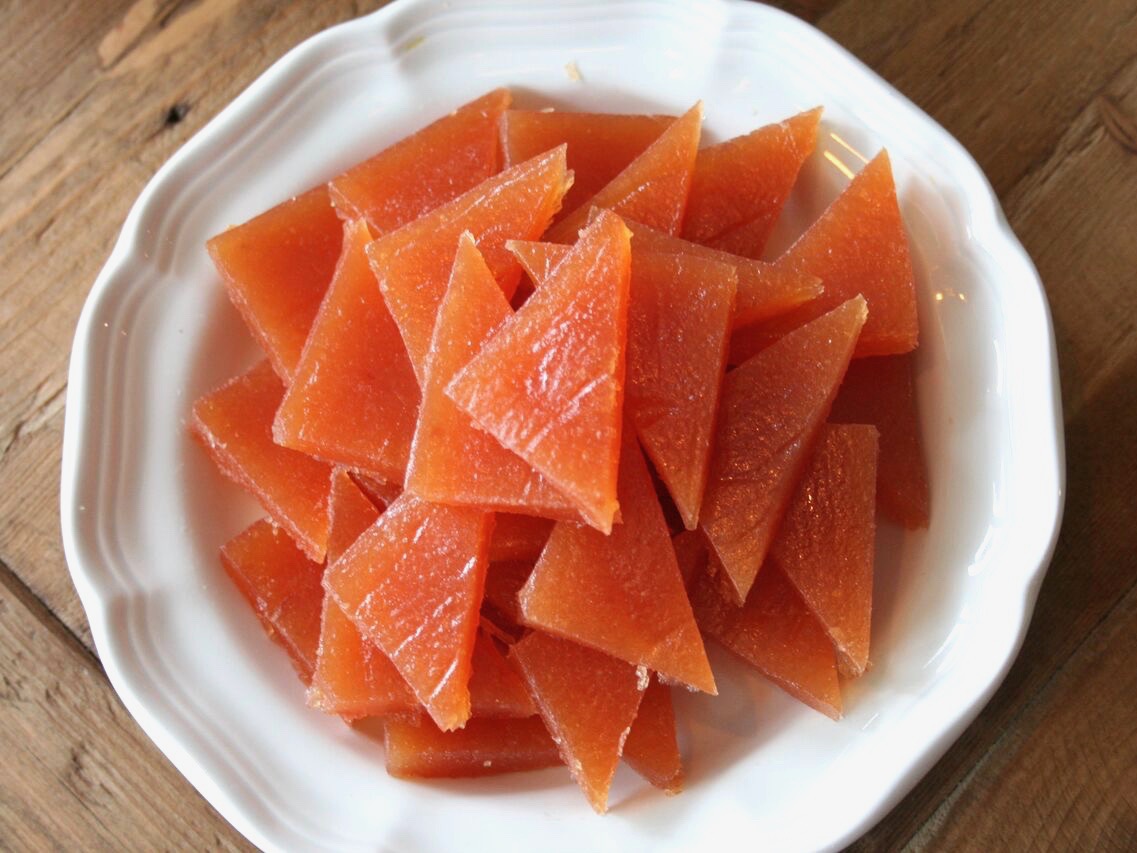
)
(1006, 78)
(77, 771)
(1067, 765)
(1085, 253)
(69, 179)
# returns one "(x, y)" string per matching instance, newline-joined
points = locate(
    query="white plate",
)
(144, 512)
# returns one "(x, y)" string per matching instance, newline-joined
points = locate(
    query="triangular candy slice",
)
(776, 634)
(452, 460)
(679, 315)
(412, 584)
(518, 537)
(826, 541)
(621, 593)
(353, 677)
(859, 246)
(496, 690)
(651, 748)
(379, 492)
(426, 169)
(354, 398)
(678, 321)
(276, 268)
(482, 748)
(550, 384)
(772, 408)
(283, 587)
(764, 290)
(600, 145)
(588, 702)
(881, 392)
(653, 188)
(234, 424)
(413, 263)
(504, 581)
(740, 186)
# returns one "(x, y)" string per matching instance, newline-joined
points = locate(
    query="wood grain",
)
(95, 96)
(77, 771)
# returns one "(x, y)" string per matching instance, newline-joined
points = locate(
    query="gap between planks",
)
(43, 614)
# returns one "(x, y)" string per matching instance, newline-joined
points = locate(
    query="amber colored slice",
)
(276, 268)
(600, 145)
(652, 189)
(826, 540)
(413, 584)
(496, 690)
(678, 321)
(283, 587)
(881, 392)
(550, 384)
(519, 537)
(764, 290)
(679, 315)
(413, 263)
(859, 246)
(350, 512)
(426, 169)
(742, 184)
(621, 593)
(588, 701)
(772, 409)
(234, 424)
(353, 678)
(776, 634)
(690, 553)
(651, 748)
(482, 748)
(379, 492)
(453, 461)
(504, 581)
(354, 398)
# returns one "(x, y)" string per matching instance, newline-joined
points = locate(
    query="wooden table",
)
(94, 96)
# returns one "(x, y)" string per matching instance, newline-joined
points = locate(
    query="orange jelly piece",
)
(518, 537)
(588, 701)
(453, 461)
(413, 584)
(653, 188)
(776, 634)
(283, 587)
(763, 291)
(678, 321)
(426, 169)
(482, 748)
(353, 677)
(678, 318)
(276, 268)
(826, 541)
(379, 492)
(600, 145)
(496, 690)
(234, 423)
(413, 263)
(354, 398)
(740, 186)
(880, 391)
(621, 593)
(651, 748)
(504, 581)
(859, 246)
(550, 384)
(772, 408)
